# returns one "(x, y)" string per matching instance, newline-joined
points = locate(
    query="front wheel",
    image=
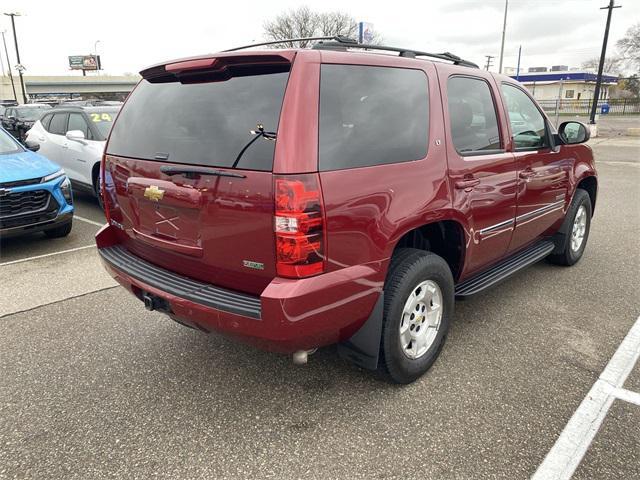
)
(577, 233)
(418, 305)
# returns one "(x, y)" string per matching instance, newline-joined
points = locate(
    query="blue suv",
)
(35, 193)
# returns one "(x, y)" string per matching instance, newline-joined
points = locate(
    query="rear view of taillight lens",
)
(299, 226)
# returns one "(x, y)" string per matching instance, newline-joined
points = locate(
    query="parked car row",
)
(36, 188)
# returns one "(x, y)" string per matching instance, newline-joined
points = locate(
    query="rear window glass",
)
(372, 116)
(206, 124)
(58, 125)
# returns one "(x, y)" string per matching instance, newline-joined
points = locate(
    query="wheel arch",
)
(589, 183)
(446, 238)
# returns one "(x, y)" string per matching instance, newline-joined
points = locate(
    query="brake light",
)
(299, 226)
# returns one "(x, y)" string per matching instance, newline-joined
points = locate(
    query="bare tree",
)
(611, 64)
(629, 46)
(303, 22)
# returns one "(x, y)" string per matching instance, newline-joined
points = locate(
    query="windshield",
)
(8, 144)
(209, 124)
(103, 120)
(30, 113)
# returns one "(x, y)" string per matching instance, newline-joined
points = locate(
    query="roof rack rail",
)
(342, 43)
(301, 39)
(403, 52)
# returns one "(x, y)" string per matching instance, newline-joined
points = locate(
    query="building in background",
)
(70, 87)
(577, 84)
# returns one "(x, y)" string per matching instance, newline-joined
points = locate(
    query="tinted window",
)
(102, 120)
(527, 123)
(45, 121)
(77, 122)
(202, 123)
(372, 116)
(58, 125)
(474, 124)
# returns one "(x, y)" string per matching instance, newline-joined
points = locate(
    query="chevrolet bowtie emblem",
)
(153, 193)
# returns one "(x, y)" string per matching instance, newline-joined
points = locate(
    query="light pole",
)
(504, 31)
(19, 67)
(95, 55)
(6, 53)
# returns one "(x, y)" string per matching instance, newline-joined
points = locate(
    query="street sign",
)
(365, 32)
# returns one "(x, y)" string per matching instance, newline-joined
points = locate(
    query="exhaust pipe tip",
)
(302, 356)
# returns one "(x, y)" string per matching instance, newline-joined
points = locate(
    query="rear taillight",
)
(299, 226)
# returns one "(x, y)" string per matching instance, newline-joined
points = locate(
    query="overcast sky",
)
(134, 34)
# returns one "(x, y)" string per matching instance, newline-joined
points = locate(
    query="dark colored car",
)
(19, 119)
(301, 198)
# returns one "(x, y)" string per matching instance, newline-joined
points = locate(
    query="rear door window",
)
(472, 113)
(206, 124)
(77, 122)
(58, 125)
(372, 116)
(45, 121)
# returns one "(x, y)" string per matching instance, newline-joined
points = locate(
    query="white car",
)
(74, 138)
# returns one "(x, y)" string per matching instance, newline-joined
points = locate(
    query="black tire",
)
(96, 192)
(61, 231)
(409, 267)
(564, 254)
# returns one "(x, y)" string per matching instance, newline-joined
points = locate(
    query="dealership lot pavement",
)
(94, 386)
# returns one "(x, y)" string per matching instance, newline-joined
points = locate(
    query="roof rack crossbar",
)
(346, 42)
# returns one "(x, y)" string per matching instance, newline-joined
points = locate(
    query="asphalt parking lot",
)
(94, 386)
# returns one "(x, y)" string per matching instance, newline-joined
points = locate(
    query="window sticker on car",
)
(100, 117)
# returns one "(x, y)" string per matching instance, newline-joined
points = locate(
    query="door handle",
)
(527, 174)
(467, 184)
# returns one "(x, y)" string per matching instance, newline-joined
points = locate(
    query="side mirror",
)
(572, 133)
(75, 135)
(31, 145)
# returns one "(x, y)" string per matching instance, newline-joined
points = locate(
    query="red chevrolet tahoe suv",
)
(306, 197)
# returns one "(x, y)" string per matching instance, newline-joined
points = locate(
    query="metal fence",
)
(618, 106)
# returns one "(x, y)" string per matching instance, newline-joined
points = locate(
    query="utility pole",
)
(504, 31)
(596, 94)
(19, 66)
(518, 68)
(489, 64)
(6, 53)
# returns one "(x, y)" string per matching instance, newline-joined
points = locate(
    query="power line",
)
(489, 64)
(596, 93)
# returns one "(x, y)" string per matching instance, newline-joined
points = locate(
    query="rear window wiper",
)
(258, 132)
(192, 172)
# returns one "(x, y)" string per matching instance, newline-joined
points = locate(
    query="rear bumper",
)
(289, 315)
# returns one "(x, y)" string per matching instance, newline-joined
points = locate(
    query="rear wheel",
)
(417, 311)
(577, 231)
(96, 191)
(61, 231)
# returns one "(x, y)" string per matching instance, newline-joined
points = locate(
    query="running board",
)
(504, 269)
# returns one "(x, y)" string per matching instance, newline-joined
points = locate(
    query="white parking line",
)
(47, 255)
(86, 220)
(565, 456)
